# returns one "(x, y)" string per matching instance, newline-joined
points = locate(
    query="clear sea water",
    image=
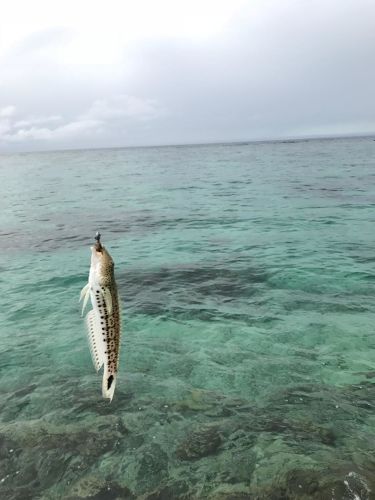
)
(247, 280)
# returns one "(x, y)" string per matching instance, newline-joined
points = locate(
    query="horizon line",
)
(287, 139)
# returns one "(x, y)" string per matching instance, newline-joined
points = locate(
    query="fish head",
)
(102, 265)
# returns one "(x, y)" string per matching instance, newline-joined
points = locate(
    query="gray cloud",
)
(36, 120)
(98, 121)
(290, 68)
(124, 106)
(7, 111)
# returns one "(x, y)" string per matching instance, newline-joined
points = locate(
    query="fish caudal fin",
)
(95, 340)
(108, 384)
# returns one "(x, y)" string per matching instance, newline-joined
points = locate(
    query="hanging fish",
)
(103, 322)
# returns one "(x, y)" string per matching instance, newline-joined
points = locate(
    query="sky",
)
(90, 74)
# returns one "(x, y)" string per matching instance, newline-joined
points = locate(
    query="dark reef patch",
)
(184, 290)
(199, 443)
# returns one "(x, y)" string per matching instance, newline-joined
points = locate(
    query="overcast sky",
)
(141, 72)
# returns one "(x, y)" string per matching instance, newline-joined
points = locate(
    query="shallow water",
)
(246, 274)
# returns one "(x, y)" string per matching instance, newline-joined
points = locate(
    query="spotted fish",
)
(103, 322)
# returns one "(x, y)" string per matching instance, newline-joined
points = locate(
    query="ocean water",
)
(247, 279)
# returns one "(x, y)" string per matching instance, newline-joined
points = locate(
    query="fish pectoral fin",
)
(107, 299)
(83, 291)
(85, 294)
(96, 342)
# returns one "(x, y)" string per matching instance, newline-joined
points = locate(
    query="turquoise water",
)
(246, 275)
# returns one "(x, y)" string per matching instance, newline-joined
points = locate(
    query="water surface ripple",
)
(246, 275)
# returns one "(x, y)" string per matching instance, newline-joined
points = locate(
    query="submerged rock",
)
(110, 491)
(152, 468)
(196, 400)
(39, 456)
(88, 486)
(199, 443)
(302, 482)
(176, 490)
(231, 492)
(95, 488)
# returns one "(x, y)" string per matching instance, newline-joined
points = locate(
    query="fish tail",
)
(108, 384)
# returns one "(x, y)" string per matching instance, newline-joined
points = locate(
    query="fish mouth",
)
(98, 246)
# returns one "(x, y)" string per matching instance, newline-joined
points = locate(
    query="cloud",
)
(118, 112)
(28, 122)
(7, 111)
(67, 131)
(338, 128)
(42, 43)
(5, 127)
(124, 106)
(189, 71)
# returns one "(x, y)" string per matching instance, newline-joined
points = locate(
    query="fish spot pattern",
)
(110, 328)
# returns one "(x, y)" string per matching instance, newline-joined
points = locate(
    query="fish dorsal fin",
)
(95, 339)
